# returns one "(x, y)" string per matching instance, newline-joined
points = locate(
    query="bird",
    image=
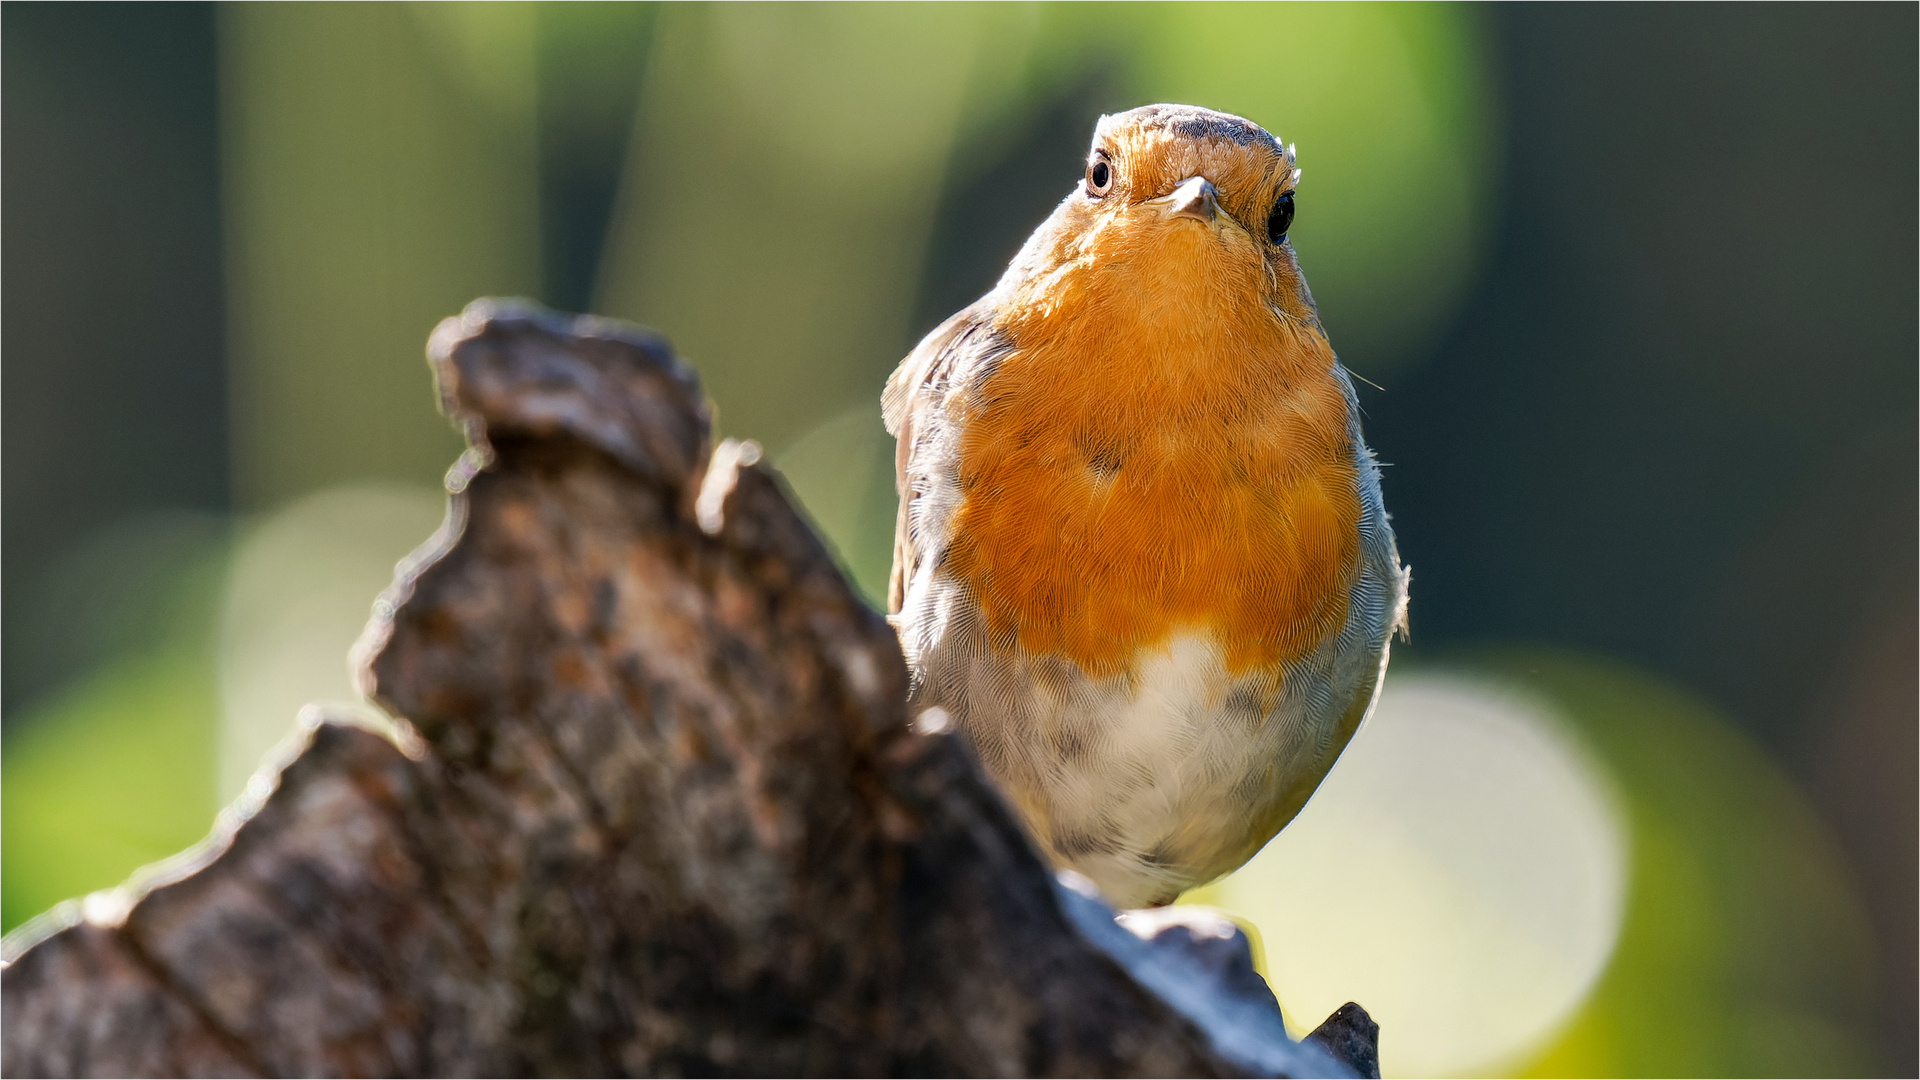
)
(1141, 561)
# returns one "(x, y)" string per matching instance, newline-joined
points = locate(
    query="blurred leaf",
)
(591, 63)
(380, 172)
(785, 171)
(136, 585)
(112, 775)
(117, 769)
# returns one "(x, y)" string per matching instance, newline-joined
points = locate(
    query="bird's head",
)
(1180, 204)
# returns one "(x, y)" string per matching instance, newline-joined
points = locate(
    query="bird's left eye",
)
(1099, 176)
(1281, 218)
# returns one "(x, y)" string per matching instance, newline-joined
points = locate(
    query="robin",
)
(1141, 561)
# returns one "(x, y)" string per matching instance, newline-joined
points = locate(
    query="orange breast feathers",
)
(1161, 452)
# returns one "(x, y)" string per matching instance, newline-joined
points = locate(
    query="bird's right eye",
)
(1099, 176)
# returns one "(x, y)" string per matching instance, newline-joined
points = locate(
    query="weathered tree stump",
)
(654, 807)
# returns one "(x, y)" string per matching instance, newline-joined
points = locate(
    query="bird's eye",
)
(1281, 218)
(1099, 176)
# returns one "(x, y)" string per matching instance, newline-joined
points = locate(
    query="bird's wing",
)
(918, 385)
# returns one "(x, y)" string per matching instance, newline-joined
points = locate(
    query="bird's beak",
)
(1195, 198)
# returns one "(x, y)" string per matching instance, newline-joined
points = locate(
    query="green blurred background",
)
(1639, 285)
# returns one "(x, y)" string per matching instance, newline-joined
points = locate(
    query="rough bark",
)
(654, 808)
(1351, 1036)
